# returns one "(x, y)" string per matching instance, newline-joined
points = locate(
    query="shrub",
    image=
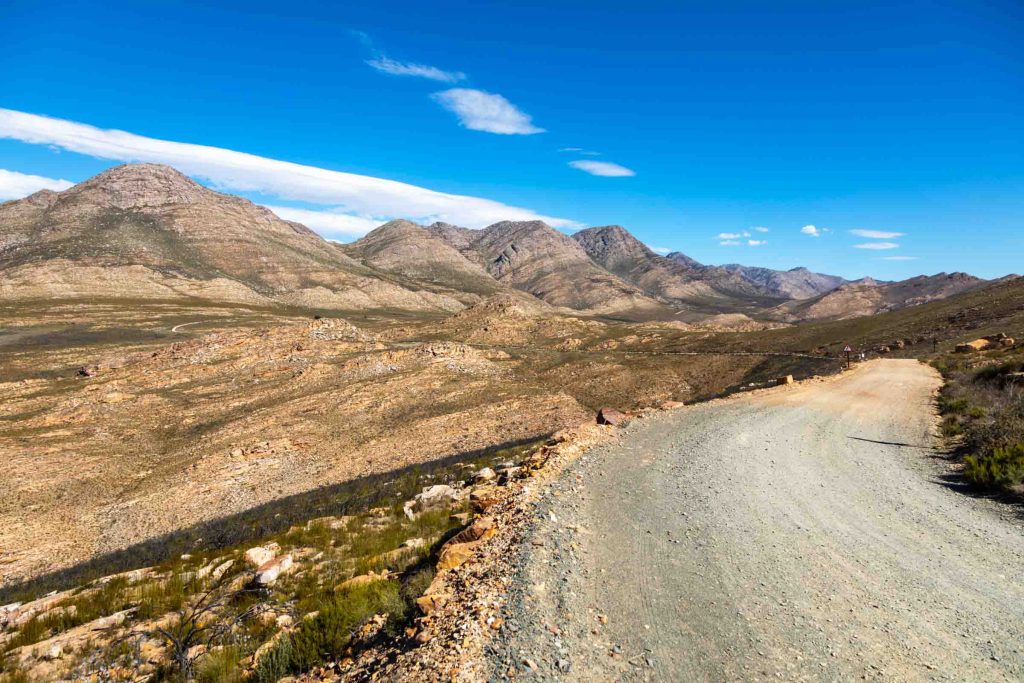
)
(326, 635)
(274, 664)
(1001, 468)
(221, 666)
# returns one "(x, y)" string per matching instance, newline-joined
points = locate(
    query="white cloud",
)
(602, 168)
(756, 243)
(729, 243)
(491, 113)
(810, 230)
(580, 150)
(240, 172)
(876, 234)
(877, 245)
(760, 228)
(396, 68)
(899, 258)
(328, 223)
(732, 235)
(14, 185)
(660, 250)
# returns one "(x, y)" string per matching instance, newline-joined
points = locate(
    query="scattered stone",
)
(259, 555)
(484, 475)
(610, 416)
(268, 573)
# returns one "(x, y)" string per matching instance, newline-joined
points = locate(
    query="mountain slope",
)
(866, 297)
(797, 283)
(146, 230)
(535, 258)
(403, 248)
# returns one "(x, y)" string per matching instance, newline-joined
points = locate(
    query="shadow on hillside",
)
(264, 520)
(891, 443)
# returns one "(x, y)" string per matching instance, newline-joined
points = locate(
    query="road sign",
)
(847, 349)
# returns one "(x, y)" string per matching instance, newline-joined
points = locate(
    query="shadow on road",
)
(890, 443)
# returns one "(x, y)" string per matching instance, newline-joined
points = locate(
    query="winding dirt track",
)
(803, 533)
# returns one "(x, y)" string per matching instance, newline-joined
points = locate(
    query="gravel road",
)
(802, 533)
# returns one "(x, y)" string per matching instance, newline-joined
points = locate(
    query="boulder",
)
(431, 498)
(483, 498)
(431, 602)
(972, 346)
(480, 530)
(785, 379)
(363, 579)
(259, 555)
(269, 572)
(610, 416)
(672, 405)
(486, 474)
(455, 555)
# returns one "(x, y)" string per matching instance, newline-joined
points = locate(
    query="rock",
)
(269, 572)
(972, 346)
(364, 579)
(484, 475)
(54, 652)
(785, 379)
(483, 498)
(480, 530)
(414, 543)
(259, 555)
(610, 416)
(672, 405)
(455, 555)
(284, 620)
(432, 497)
(430, 603)
(221, 569)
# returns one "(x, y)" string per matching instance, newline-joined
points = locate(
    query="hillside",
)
(693, 289)
(535, 258)
(147, 231)
(866, 297)
(797, 283)
(408, 250)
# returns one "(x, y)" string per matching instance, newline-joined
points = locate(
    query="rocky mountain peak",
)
(139, 185)
(611, 241)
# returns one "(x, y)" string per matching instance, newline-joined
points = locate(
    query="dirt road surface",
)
(802, 533)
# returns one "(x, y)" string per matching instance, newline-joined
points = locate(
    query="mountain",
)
(798, 283)
(147, 231)
(533, 257)
(869, 297)
(408, 250)
(694, 288)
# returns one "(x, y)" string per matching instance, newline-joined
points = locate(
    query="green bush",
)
(221, 666)
(327, 635)
(953, 406)
(274, 664)
(1001, 468)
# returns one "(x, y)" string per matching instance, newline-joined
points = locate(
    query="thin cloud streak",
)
(605, 169)
(396, 68)
(487, 112)
(877, 245)
(876, 234)
(241, 172)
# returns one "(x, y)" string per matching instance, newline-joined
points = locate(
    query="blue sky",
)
(902, 120)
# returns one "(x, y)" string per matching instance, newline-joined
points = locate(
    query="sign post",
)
(847, 350)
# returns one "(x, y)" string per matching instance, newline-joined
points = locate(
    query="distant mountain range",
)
(146, 231)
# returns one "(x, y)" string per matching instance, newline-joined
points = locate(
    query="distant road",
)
(798, 534)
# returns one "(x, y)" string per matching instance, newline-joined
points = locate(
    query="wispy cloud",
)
(357, 195)
(811, 230)
(14, 185)
(732, 235)
(660, 250)
(602, 168)
(756, 243)
(876, 234)
(491, 113)
(760, 228)
(396, 68)
(580, 150)
(899, 258)
(877, 245)
(730, 243)
(328, 223)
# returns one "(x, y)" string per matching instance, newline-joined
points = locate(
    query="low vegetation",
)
(204, 616)
(982, 408)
